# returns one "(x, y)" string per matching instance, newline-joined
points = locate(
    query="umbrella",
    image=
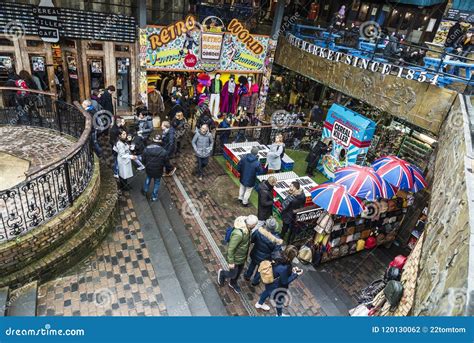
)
(395, 171)
(335, 199)
(388, 190)
(361, 182)
(418, 180)
(409, 176)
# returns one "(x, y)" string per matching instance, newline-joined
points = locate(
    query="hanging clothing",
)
(253, 99)
(155, 102)
(229, 99)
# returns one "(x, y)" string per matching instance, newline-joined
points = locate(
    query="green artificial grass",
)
(300, 165)
(253, 197)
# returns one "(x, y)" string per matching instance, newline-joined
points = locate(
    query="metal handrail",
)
(50, 189)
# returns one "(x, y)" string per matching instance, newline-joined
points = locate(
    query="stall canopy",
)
(463, 5)
(423, 3)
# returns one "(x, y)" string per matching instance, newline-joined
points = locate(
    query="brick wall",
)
(18, 253)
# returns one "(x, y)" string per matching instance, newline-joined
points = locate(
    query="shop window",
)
(6, 42)
(123, 83)
(122, 48)
(70, 43)
(95, 46)
(34, 43)
(6, 63)
(363, 12)
(39, 73)
(353, 12)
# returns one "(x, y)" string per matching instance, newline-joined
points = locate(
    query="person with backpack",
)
(276, 153)
(156, 160)
(202, 144)
(294, 201)
(282, 273)
(237, 251)
(95, 131)
(265, 242)
(249, 167)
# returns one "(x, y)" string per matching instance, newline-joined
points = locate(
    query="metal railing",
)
(350, 42)
(53, 187)
(296, 137)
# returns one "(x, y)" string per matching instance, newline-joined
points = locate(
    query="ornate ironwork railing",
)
(51, 188)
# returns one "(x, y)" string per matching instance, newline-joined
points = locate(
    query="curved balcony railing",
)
(51, 188)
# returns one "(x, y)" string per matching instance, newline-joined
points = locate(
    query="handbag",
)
(325, 223)
(360, 245)
(305, 254)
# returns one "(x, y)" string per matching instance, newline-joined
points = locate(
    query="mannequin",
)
(215, 95)
(244, 93)
(229, 96)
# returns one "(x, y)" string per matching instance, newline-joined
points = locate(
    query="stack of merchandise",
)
(287, 163)
(235, 151)
(281, 191)
(279, 177)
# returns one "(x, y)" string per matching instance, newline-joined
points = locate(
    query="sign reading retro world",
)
(174, 46)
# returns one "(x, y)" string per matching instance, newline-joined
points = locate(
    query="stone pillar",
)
(278, 18)
(141, 13)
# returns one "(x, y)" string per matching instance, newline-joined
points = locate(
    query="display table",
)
(233, 152)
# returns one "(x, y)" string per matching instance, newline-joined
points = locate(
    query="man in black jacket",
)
(155, 158)
(265, 200)
(319, 148)
(294, 201)
(106, 100)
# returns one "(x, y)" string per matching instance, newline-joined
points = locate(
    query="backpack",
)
(21, 84)
(228, 233)
(305, 255)
(266, 272)
(393, 273)
(393, 292)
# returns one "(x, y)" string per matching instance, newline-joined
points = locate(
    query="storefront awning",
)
(463, 5)
(423, 3)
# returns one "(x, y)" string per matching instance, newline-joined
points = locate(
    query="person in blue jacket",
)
(265, 242)
(284, 273)
(249, 167)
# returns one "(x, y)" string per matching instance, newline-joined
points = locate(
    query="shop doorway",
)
(71, 62)
(39, 72)
(123, 83)
(96, 72)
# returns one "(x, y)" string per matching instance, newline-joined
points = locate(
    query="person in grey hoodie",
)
(202, 144)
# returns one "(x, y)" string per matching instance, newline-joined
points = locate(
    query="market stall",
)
(222, 64)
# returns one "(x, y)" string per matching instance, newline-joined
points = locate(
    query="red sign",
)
(190, 60)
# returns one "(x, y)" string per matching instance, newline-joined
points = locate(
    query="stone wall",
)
(17, 253)
(442, 280)
(422, 104)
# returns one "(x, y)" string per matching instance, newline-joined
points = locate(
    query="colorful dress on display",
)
(229, 97)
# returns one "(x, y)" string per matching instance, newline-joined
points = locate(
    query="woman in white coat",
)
(276, 153)
(124, 160)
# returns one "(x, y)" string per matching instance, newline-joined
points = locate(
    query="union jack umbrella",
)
(362, 182)
(395, 171)
(335, 199)
(418, 180)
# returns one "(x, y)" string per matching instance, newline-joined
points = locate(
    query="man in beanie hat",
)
(265, 242)
(249, 167)
(237, 251)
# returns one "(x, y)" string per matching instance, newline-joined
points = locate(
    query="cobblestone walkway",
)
(39, 146)
(215, 200)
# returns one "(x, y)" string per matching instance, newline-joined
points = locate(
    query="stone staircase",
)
(187, 288)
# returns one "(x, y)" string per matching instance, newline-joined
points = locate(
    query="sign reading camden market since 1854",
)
(356, 61)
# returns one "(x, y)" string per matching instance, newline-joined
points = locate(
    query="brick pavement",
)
(36, 145)
(117, 279)
(216, 200)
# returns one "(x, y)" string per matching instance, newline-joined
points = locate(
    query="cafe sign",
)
(362, 63)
